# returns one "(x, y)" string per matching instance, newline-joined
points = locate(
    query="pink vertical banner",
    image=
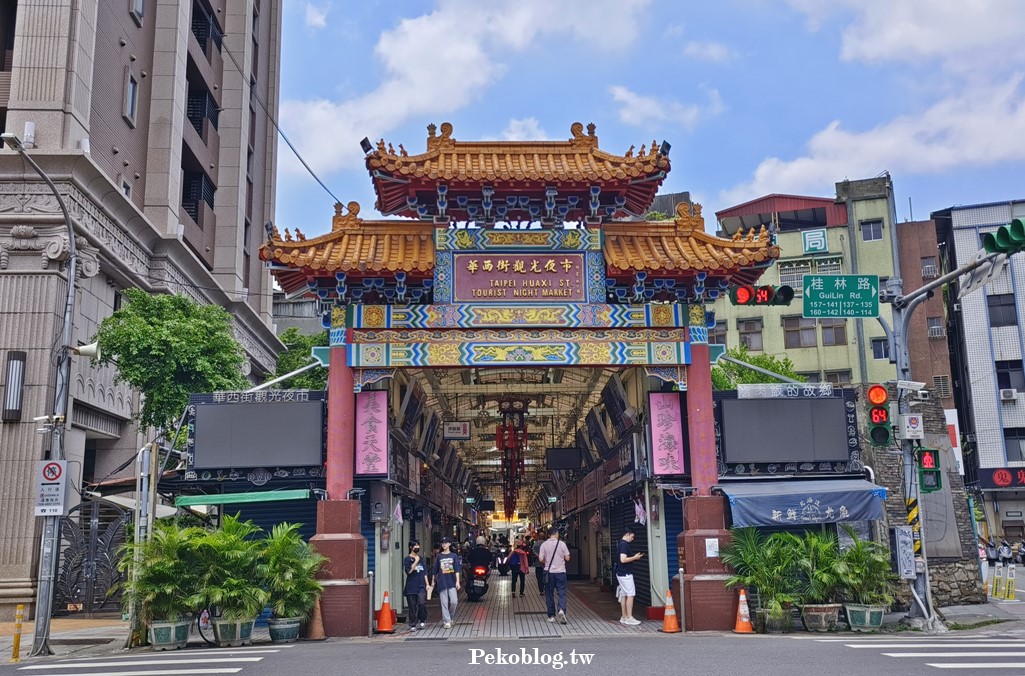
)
(372, 433)
(667, 442)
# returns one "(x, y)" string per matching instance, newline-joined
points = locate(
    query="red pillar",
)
(704, 470)
(341, 426)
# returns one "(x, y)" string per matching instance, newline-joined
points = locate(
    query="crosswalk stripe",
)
(142, 663)
(894, 646)
(166, 672)
(956, 640)
(976, 665)
(958, 654)
(185, 653)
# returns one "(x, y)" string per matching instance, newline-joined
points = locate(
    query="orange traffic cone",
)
(385, 623)
(315, 630)
(743, 625)
(670, 623)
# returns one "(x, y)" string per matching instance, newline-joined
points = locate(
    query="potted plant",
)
(867, 583)
(765, 567)
(230, 582)
(162, 580)
(822, 570)
(289, 568)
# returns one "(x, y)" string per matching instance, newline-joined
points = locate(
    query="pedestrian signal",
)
(930, 478)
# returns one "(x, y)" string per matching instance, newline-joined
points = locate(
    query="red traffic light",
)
(743, 295)
(877, 395)
(927, 459)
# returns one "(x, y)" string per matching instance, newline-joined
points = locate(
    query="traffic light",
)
(746, 294)
(879, 432)
(1008, 239)
(930, 478)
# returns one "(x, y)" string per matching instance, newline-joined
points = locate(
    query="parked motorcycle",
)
(476, 582)
(1004, 552)
(502, 561)
(1019, 558)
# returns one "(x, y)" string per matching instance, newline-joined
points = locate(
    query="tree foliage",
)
(655, 216)
(727, 375)
(168, 347)
(298, 347)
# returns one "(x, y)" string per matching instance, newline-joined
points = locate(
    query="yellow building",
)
(852, 234)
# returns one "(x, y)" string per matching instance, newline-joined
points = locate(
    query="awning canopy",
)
(796, 503)
(235, 498)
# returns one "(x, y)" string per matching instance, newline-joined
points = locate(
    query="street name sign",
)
(51, 481)
(841, 296)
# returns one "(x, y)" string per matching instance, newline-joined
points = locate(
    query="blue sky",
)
(755, 96)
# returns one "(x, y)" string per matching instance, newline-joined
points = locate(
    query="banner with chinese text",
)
(372, 433)
(667, 434)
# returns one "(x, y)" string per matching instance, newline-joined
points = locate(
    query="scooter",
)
(1019, 558)
(502, 561)
(1004, 552)
(476, 582)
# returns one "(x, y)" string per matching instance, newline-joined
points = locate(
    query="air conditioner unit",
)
(922, 395)
(957, 307)
(1008, 395)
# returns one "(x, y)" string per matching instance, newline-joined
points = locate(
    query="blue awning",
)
(796, 503)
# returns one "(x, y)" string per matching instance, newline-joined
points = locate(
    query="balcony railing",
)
(930, 272)
(936, 332)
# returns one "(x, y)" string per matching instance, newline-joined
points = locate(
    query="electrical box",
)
(380, 501)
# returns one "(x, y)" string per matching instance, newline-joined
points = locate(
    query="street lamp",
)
(51, 534)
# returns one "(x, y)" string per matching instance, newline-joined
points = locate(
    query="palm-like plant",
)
(768, 565)
(289, 568)
(822, 568)
(868, 578)
(230, 561)
(745, 555)
(165, 578)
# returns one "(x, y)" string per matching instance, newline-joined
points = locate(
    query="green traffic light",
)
(784, 294)
(1008, 239)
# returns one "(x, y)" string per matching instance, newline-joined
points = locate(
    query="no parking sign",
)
(51, 482)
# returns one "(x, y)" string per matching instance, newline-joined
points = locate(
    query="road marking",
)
(978, 665)
(166, 672)
(962, 654)
(185, 653)
(142, 663)
(893, 646)
(910, 639)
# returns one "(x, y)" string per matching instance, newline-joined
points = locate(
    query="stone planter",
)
(820, 616)
(779, 625)
(283, 629)
(231, 634)
(169, 635)
(864, 618)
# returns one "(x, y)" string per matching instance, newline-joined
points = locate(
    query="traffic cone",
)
(315, 630)
(743, 625)
(670, 624)
(385, 621)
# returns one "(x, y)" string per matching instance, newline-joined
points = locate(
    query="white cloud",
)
(638, 110)
(420, 52)
(964, 36)
(712, 52)
(316, 17)
(524, 129)
(981, 126)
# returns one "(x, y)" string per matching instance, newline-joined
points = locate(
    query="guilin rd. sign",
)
(841, 296)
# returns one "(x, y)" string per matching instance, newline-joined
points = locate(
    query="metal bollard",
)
(370, 624)
(19, 615)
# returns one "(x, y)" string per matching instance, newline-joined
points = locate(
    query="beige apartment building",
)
(151, 119)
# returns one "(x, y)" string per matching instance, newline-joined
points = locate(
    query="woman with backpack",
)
(519, 564)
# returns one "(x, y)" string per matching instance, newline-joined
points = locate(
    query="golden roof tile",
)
(577, 159)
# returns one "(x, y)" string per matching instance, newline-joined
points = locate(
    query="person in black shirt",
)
(480, 555)
(625, 576)
(415, 590)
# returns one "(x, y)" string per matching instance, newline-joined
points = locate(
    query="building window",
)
(126, 188)
(1014, 443)
(872, 231)
(834, 331)
(717, 334)
(935, 327)
(839, 378)
(941, 384)
(1010, 375)
(880, 348)
(1001, 310)
(131, 98)
(791, 273)
(929, 269)
(750, 333)
(829, 266)
(204, 27)
(137, 8)
(798, 332)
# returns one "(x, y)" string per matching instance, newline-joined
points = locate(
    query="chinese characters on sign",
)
(260, 397)
(51, 482)
(784, 390)
(1002, 477)
(811, 511)
(512, 277)
(372, 433)
(666, 433)
(841, 296)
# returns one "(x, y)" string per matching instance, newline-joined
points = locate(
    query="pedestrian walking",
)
(539, 569)
(554, 554)
(415, 590)
(447, 571)
(519, 564)
(626, 591)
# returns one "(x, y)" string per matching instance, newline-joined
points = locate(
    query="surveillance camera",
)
(41, 418)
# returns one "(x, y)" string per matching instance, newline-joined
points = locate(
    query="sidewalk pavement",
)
(69, 636)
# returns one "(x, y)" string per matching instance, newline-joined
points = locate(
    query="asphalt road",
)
(997, 651)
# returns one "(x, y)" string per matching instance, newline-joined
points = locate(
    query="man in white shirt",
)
(553, 555)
